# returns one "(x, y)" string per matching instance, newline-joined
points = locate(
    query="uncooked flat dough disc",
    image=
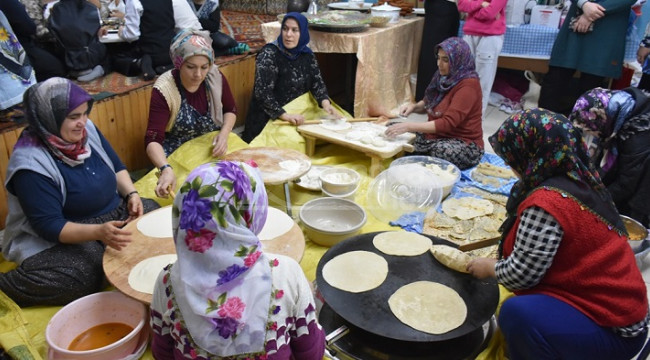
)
(401, 243)
(277, 224)
(429, 307)
(157, 224)
(144, 274)
(356, 271)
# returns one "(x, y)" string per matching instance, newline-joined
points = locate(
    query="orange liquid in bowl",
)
(100, 336)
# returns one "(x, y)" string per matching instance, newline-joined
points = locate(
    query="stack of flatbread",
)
(492, 175)
(469, 218)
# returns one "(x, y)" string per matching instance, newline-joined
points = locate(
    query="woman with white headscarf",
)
(224, 296)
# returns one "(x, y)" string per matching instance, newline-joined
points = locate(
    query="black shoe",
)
(163, 68)
(148, 72)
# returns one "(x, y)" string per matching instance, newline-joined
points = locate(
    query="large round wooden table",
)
(278, 166)
(118, 264)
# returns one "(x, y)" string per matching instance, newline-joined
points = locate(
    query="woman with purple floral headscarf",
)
(224, 297)
(452, 102)
(616, 128)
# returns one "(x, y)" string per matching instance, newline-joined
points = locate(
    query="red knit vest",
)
(594, 269)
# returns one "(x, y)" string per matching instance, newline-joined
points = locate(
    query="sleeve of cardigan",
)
(162, 342)
(266, 75)
(158, 118)
(318, 88)
(308, 340)
(459, 107)
(490, 12)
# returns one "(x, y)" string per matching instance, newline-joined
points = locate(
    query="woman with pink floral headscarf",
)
(224, 297)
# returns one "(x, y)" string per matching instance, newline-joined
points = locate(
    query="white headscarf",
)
(220, 283)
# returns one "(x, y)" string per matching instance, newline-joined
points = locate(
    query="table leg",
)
(287, 198)
(310, 144)
(375, 165)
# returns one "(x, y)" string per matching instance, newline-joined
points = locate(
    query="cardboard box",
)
(546, 15)
(515, 12)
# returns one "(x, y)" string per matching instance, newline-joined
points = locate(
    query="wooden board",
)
(277, 165)
(118, 264)
(339, 137)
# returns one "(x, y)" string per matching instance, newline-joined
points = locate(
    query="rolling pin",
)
(309, 122)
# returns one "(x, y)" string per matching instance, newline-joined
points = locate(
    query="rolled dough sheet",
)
(144, 274)
(277, 224)
(429, 307)
(157, 224)
(356, 271)
(401, 243)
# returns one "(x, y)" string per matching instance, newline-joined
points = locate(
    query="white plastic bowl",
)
(92, 310)
(339, 181)
(328, 221)
(427, 161)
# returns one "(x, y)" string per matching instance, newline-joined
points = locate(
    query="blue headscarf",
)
(301, 48)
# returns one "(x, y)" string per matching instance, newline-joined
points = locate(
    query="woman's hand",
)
(116, 13)
(327, 106)
(112, 234)
(482, 268)
(166, 181)
(582, 25)
(220, 144)
(397, 129)
(593, 11)
(406, 109)
(642, 54)
(295, 119)
(135, 207)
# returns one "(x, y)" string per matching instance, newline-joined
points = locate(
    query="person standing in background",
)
(592, 42)
(484, 31)
(441, 21)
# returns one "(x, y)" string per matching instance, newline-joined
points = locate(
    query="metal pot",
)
(299, 6)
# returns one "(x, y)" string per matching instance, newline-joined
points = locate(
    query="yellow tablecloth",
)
(22, 331)
(387, 56)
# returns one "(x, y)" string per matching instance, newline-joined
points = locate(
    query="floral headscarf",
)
(612, 114)
(540, 145)
(292, 54)
(188, 43)
(461, 66)
(221, 284)
(47, 104)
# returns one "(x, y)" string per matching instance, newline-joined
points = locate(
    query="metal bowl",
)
(636, 231)
(328, 221)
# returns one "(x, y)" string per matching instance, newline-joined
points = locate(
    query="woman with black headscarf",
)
(284, 70)
(564, 250)
(69, 196)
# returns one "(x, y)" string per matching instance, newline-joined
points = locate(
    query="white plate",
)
(311, 180)
(347, 6)
(418, 11)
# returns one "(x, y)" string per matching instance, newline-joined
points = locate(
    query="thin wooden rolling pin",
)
(308, 122)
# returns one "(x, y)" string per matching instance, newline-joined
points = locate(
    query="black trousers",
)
(559, 91)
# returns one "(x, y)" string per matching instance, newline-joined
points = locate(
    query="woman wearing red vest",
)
(564, 250)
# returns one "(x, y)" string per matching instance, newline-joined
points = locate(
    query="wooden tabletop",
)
(118, 264)
(277, 165)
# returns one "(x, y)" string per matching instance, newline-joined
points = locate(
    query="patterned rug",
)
(242, 27)
(245, 27)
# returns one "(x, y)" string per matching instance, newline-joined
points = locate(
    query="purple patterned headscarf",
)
(461, 66)
(221, 283)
